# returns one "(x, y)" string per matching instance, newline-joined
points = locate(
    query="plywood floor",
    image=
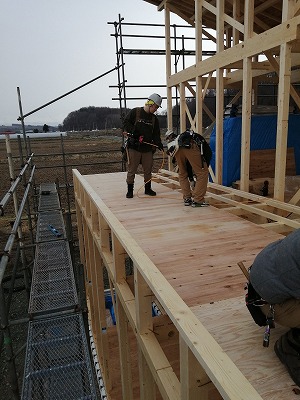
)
(197, 250)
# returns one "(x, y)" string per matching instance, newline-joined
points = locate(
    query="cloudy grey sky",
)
(51, 47)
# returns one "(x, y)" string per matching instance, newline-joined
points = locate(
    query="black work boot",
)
(287, 350)
(129, 193)
(148, 189)
(296, 335)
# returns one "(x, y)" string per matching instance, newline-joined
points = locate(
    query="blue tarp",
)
(263, 136)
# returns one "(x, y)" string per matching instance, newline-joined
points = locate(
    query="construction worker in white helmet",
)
(141, 127)
(188, 150)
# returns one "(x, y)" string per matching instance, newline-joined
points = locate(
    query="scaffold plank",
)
(57, 361)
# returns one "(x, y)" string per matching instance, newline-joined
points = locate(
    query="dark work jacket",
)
(144, 128)
(275, 273)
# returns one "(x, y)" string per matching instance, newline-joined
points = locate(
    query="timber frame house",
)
(202, 344)
(255, 40)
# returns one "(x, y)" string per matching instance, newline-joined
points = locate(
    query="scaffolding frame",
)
(245, 31)
(178, 53)
(19, 254)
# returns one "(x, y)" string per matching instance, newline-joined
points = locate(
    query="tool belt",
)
(254, 302)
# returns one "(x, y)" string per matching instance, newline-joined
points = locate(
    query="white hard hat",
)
(156, 98)
(173, 147)
(170, 135)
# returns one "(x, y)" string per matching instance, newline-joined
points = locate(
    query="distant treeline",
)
(92, 118)
(99, 118)
(106, 118)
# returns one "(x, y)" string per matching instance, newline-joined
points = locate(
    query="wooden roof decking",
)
(197, 251)
(267, 13)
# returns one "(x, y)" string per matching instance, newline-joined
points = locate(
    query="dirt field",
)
(54, 159)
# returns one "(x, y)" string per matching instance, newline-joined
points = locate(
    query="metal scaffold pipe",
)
(13, 187)
(21, 117)
(9, 244)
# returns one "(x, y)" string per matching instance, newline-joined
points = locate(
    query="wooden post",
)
(247, 100)
(283, 109)
(219, 94)
(199, 97)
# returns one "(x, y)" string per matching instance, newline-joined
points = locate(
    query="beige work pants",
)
(134, 159)
(200, 170)
(286, 314)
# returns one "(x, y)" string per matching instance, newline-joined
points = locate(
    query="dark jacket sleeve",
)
(129, 121)
(275, 272)
(156, 133)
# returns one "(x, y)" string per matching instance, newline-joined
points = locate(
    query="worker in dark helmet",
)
(141, 128)
(275, 276)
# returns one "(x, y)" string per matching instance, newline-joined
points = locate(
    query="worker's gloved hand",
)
(161, 147)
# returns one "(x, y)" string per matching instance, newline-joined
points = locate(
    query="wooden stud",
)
(193, 379)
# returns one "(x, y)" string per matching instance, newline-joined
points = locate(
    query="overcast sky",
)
(51, 47)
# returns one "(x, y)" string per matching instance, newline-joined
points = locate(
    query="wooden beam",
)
(198, 35)
(236, 12)
(231, 21)
(264, 6)
(168, 67)
(246, 124)
(283, 109)
(144, 324)
(247, 99)
(289, 208)
(182, 107)
(256, 45)
(124, 348)
(237, 76)
(296, 198)
(194, 381)
(251, 208)
(219, 94)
